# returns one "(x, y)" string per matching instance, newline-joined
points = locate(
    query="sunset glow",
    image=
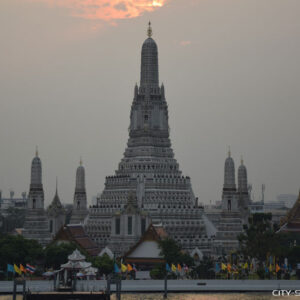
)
(106, 9)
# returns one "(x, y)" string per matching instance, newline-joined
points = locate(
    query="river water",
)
(199, 297)
(206, 296)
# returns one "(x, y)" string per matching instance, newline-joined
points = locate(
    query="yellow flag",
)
(123, 268)
(129, 267)
(270, 268)
(17, 269)
(173, 268)
(223, 266)
(246, 265)
(179, 267)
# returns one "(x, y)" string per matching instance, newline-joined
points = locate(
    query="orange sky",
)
(107, 9)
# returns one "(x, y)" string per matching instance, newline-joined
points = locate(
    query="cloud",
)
(107, 10)
(185, 43)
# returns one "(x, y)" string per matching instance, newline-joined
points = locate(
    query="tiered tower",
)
(36, 225)
(229, 199)
(80, 211)
(150, 170)
(243, 193)
(233, 214)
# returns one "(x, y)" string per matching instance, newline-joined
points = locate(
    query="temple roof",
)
(79, 265)
(76, 256)
(147, 247)
(56, 207)
(77, 235)
(106, 251)
(291, 222)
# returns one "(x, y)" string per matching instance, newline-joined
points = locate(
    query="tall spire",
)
(242, 178)
(56, 186)
(229, 172)
(79, 202)
(80, 178)
(149, 62)
(149, 31)
(36, 170)
(36, 151)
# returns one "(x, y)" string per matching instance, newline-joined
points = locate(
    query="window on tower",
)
(146, 118)
(129, 225)
(118, 226)
(143, 226)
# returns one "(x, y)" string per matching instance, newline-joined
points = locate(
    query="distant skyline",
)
(231, 74)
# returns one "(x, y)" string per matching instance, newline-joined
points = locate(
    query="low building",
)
(12, 202)
(291, 222)
(76, 234)
(146, 252)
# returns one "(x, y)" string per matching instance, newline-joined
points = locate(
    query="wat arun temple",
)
(147, 188)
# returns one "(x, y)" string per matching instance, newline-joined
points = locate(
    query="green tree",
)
(103, 263)
(158, 272)
(57, 254)
(259, 239)
(294, 255)
(172, 253)
(205, 270)
(17, 250)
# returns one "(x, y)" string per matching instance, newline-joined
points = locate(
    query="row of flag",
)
(275, 268)
(173, 268)
(228, 267)
(129, 268)
(231, 268)
(21, 269)
(124, 268)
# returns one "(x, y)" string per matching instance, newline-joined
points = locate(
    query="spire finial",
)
(149, 31)
(80, 161)
(56, 186)
(36, 151)
(242, 160)
(229, 152)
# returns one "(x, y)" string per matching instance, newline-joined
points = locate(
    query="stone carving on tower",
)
(56, 214)
(80, 211)
(36, 224)
(150, 169)
(128, 225)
